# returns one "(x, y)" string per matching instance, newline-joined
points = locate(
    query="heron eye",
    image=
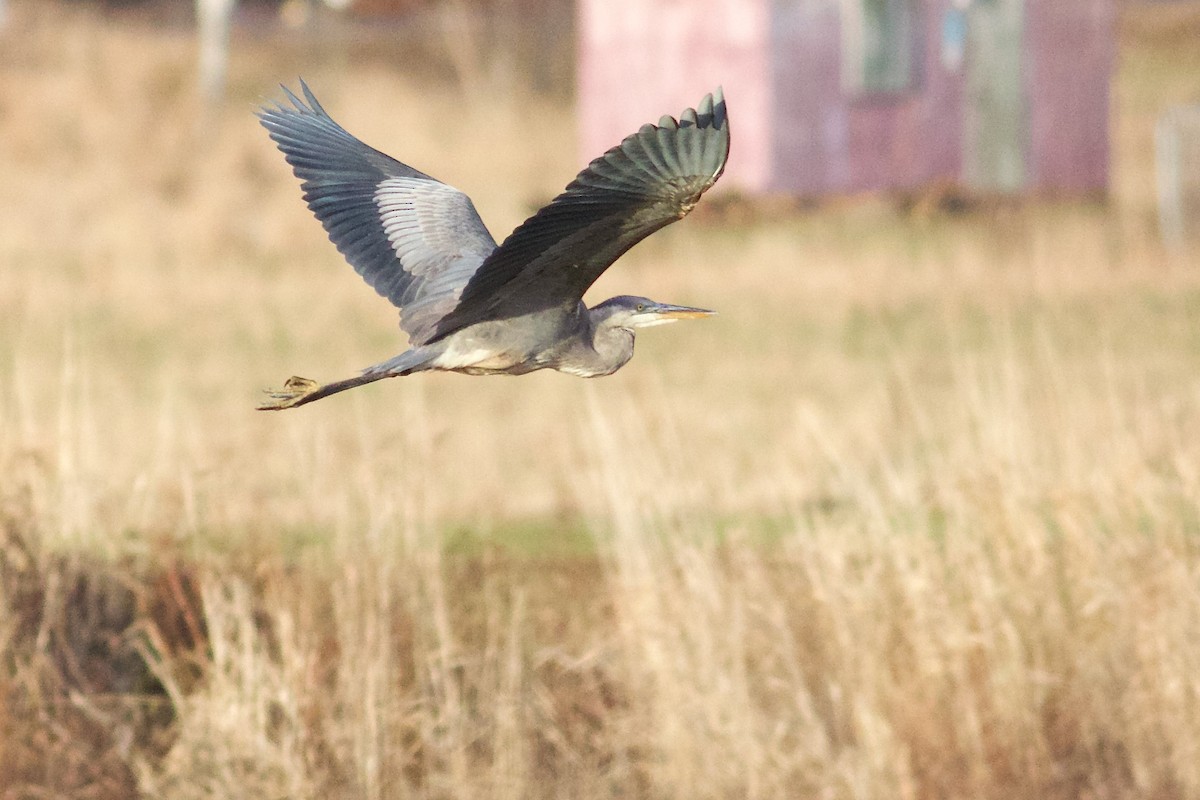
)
(641, 307)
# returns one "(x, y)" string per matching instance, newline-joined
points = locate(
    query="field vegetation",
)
(917, 516)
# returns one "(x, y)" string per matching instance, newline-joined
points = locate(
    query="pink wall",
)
(640, 59)
(825, 141)
(796, 131)
(1068, 44)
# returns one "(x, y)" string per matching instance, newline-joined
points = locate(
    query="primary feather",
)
(414, 239)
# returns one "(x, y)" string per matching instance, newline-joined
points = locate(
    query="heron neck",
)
(612, 347)
(596, 348)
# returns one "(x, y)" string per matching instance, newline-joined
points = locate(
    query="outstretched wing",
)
(415, 240)
(650, 180)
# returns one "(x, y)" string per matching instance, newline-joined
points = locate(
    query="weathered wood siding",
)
(1071, 48)
(996, 101)
(827, 141)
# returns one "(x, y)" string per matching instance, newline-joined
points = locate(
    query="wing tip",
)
(308, 106)
(708, 153)
(712, 110)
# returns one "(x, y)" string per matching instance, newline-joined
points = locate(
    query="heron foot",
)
(293, 393)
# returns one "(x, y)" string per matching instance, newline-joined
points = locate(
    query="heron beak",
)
(663, 313)
(681, 312)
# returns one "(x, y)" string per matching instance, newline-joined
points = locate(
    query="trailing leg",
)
(300, 391)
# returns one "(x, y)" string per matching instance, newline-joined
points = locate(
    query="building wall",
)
(640, 59)
(996, 100)
(796, 128)
(810, 130)
(1071, 49)
(827, 141)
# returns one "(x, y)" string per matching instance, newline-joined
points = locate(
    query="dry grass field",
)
(917, 516)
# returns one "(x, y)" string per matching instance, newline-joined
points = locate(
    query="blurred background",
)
(915, 516)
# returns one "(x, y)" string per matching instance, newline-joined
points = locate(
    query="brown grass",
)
(915, 517)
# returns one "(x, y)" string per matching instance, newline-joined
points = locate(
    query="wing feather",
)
(650, 180)
(413, 239)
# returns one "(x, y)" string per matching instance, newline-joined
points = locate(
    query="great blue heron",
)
(469, 305)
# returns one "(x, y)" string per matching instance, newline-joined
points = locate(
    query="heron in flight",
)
(469, 305)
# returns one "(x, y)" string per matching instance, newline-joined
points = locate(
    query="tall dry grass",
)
(915, 517)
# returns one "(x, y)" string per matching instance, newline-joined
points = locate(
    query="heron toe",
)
(292, 394)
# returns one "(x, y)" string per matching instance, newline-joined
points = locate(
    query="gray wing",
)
(415, 240)
(651, 179)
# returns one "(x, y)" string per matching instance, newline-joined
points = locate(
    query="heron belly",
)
(589, 371)
(481, 361)
(512, 346)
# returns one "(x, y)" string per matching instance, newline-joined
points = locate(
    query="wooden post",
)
(213, 17)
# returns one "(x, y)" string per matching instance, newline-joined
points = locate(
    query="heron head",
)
(641, 312)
